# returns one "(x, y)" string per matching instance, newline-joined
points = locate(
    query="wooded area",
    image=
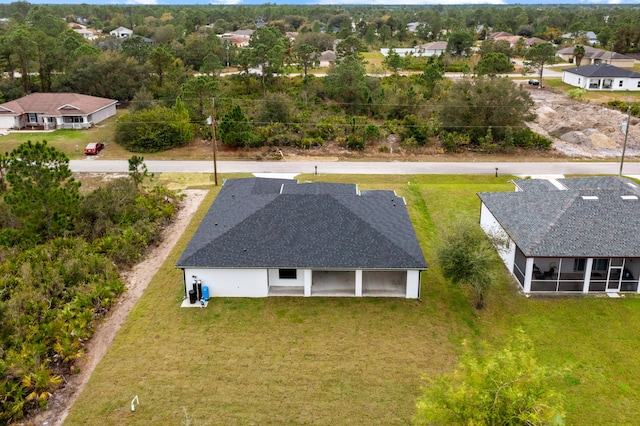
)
(61, 253)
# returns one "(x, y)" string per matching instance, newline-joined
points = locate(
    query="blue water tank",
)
(205, 292)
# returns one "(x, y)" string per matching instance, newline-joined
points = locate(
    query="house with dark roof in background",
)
(50, 111)
(595, 56)
(568, 235)
(602, 77)
(277, 237)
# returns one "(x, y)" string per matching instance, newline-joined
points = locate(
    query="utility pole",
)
(213, 137)
(626, 135)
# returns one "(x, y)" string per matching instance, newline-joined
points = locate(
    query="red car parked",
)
(94, 148)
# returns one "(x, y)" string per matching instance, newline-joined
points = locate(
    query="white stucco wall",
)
(493, 229)
(256, 282)
(573, 79)
(413, 284)
(274, 278)
(576, 80)
(231, 282)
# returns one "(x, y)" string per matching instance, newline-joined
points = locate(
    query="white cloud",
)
(412, 2)
(142, 2)
(226, 1)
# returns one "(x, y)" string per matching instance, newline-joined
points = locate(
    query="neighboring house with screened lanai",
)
(568, 235)
(277, 237)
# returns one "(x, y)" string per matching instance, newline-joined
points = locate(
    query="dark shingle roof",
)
(595, 53)
(602, 70)
(534, 185)
(258, 223)
(563, 223)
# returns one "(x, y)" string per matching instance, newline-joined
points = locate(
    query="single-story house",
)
(435, 48)
(602, 77)
(48, 111)
(590, 35)
(277, 237)
(533, 40)
(326, 58)
(85, 33)
(121, 32)
(412, 27)
(568, 235)
(239, 38)
(498, 34)
(594, 56)
(513, 40)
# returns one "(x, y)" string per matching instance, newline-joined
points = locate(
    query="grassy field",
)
(353, 361)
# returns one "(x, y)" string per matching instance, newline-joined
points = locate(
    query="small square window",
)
(287, 274)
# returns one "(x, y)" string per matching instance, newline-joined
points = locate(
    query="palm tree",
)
(578, 54)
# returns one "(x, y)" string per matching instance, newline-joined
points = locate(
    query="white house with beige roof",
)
(48, 111)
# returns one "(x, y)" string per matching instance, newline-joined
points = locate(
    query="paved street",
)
(345, 167)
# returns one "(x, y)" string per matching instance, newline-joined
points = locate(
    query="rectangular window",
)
(620, 83)
(578, 265)
(33, 118)
(287, 274)
(579, 81)
(639, 84)
(600, 264)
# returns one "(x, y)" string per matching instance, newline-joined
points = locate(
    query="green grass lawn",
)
(595, 96)
(71, 142)
(353, 361)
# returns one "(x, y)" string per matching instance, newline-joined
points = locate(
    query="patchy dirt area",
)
(136, 281)
(580, 129)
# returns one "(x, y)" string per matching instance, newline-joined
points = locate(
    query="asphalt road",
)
(347, 167)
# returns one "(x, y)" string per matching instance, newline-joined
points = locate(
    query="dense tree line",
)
(153, 72)
(171, 42)
(60, 254)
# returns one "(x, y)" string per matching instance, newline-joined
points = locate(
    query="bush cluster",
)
(624, 106)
